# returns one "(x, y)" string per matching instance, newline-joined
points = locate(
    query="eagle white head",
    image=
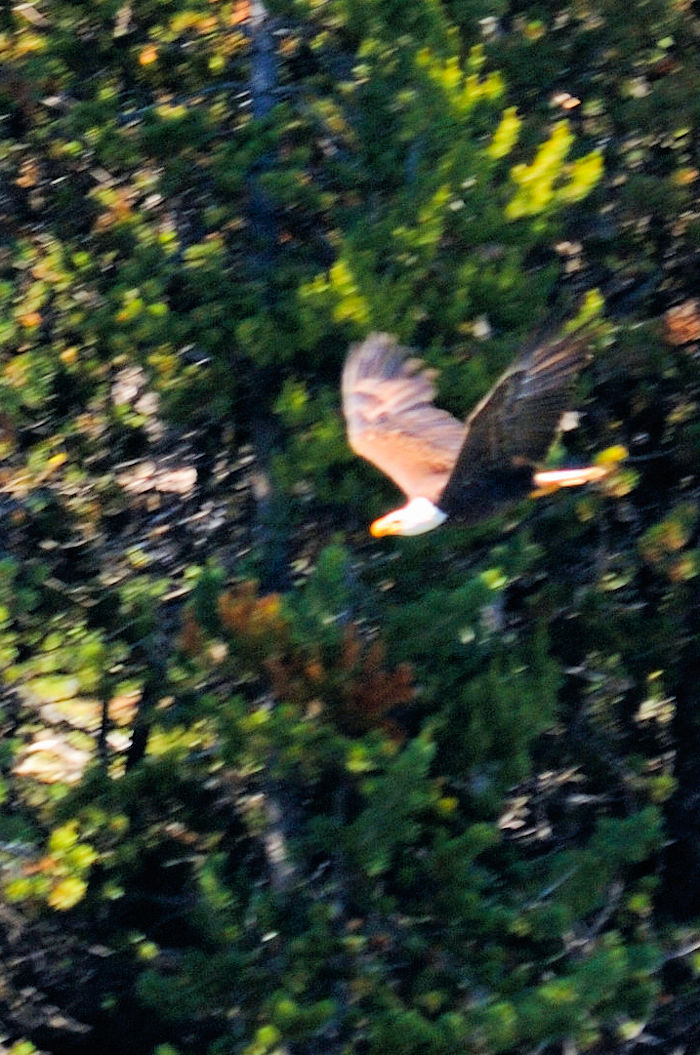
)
(415, 518)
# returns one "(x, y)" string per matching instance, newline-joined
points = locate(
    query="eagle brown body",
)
(464, 472)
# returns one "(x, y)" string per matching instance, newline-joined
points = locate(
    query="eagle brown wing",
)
(514, 424)
(391, 419)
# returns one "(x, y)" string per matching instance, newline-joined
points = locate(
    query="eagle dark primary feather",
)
(449, 470)
(514, 424)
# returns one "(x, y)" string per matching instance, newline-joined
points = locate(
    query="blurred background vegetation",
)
(270, 787)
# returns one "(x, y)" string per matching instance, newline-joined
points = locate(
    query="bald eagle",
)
(449, 470)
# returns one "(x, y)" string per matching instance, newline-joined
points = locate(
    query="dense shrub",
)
(269, 787)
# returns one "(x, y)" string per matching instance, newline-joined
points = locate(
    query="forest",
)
(271, 786)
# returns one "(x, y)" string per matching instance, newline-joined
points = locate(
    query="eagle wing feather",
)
(514, 424)
(391, 419)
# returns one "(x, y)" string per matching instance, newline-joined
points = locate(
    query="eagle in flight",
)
(449, 470)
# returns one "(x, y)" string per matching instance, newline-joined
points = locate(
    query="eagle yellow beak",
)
(384, 526)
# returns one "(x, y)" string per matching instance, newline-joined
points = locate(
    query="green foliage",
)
(499, 714)
(59, 878)
(205, 982)
(23, 1047)
(431, 796)
(662, 544)
(393, 800)
(548, 181)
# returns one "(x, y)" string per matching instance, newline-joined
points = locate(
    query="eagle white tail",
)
(552, 479)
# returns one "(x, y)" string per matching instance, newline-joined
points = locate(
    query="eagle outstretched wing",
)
(515, 422)
(391, 419)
